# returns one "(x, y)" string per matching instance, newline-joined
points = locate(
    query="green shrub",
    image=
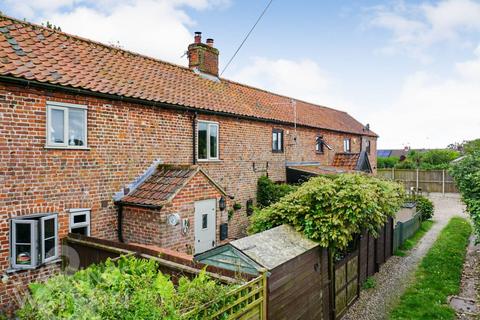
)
(333, 211)
(388, 162)
(269, 192)
(424, 206)
(466, 173)
(127, 289)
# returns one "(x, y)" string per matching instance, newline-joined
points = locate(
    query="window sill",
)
(11, 271)
(66, 148)
(209, 161)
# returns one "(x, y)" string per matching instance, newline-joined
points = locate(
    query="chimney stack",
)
(203, 57)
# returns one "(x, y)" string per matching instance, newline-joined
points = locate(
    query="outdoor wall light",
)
(222, 204)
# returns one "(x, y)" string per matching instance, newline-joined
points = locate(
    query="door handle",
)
(213, 243)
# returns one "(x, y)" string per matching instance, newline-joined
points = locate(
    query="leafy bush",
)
(333, 211)
(388, 162)
(425, 206)
(269, 192)
(467, 177)
(128, 289)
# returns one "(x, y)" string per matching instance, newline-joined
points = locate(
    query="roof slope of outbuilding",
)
(163, 185)
(43, 55)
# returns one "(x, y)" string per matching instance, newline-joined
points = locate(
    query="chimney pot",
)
(210, 42)
(198, 37)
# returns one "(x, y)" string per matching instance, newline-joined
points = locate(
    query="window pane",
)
(275, 141)
(57, 126)
(204, 221)
(49, 228)
(280, 141)
(202, 140)
(213, 141)
(22, 232)
(49, 248)
(24, 254)
(80, 218)
(82, 230)
(76, 127)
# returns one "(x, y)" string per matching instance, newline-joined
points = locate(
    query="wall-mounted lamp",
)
(222, 204)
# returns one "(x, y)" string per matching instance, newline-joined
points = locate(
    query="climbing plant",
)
(333, 211)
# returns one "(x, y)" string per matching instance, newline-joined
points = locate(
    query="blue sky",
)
(409, 68)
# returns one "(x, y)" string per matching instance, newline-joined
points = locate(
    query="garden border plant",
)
(128, 288)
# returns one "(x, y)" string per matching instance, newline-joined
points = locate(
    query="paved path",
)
(395, 275)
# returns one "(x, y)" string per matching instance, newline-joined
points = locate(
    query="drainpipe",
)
(120, 221)
(194, 138)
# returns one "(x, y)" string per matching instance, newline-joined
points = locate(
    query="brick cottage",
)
(105, 142)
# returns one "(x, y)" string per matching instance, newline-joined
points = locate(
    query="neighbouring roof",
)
(40, 54)
(316, 170)
(347, 161)
(163, 185)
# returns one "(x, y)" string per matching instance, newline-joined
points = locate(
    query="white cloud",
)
(158, 28)
(302, 79)
(431, 111)
(417, 27)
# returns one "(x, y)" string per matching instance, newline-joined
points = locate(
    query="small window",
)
(80, 221)
(66, 125)
(33, 241)
(207, 140)
(346, 145)
(204, 221)
(319, 144)
(368, 147)
(277, 140)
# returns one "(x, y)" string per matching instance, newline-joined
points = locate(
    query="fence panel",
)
(346, 283)
(405, 230)
(427, 180)
(248, 302)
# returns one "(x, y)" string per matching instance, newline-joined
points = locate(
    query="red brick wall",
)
(124, 140)
(147, 226)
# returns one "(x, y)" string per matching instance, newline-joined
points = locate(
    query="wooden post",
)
(263, 315)
(331, 271)
(417, 182)
(443, 182)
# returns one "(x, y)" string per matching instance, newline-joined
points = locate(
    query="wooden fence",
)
(404, 230)
(426, 180)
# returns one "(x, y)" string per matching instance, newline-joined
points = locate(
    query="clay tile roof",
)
(346, 161)
(161, 186)
(39, 54)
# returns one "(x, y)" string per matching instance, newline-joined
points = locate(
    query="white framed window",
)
(208, 137)
(80, 221)
(33, 240)
(66, 125)
(24, 243)
(346, 145)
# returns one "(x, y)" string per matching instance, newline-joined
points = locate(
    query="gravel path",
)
(395, 275)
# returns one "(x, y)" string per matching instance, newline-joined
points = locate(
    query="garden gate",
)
(346, 284)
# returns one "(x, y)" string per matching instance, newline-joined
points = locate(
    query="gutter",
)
(110, 96)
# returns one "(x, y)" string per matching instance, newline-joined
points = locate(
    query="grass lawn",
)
(412, 241)
(437, 277)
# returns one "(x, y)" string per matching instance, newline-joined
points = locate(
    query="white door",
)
(205, 225)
